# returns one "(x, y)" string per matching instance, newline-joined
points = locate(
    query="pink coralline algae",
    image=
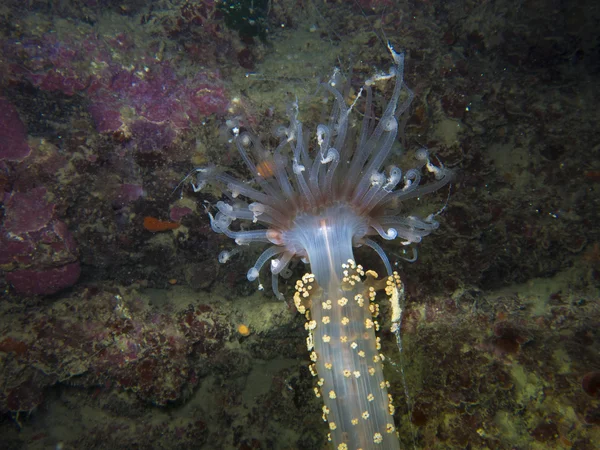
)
(37, 251)
(151, 136)
(13, 137)
(128, 193)
(51, 64)
(112, 342)
(44, 282)
(146, 102)
(26, 212)
(179, 212)
(152, 108)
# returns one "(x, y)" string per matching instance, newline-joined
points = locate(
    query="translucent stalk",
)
(341, 325)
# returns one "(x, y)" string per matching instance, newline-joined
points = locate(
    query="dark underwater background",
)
(119, 328)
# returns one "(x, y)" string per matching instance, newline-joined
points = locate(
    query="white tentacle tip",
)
(252, 274)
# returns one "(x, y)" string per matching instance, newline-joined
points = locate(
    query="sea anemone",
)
(316, 200)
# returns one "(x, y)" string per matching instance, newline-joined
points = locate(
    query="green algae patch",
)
(510, 428)
(527, 385)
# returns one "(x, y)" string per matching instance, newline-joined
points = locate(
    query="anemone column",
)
(341, 327)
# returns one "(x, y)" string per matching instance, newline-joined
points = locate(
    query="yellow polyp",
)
(243, 329)
(309, 342)
(299, 302)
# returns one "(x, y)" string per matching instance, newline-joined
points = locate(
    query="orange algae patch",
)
(244, 330)
(153, 224)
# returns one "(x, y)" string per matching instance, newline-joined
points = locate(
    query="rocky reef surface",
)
(119, 327)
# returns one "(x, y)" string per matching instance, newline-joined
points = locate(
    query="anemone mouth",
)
(298, 186)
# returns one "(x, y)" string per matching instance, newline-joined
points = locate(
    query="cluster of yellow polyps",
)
(345, 355)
